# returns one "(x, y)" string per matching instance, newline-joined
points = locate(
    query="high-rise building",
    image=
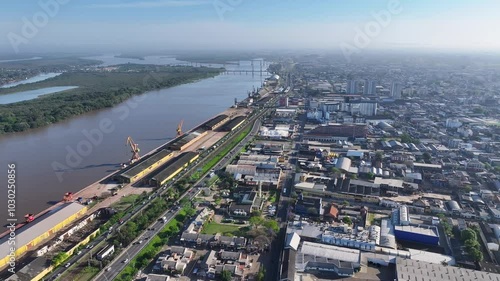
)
(352, 87)
(370, 88)
(396, 90)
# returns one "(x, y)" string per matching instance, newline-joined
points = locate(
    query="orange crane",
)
(134, 149)
(179, 128)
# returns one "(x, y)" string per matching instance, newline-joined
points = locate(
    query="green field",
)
(213, 228)
(125, 202)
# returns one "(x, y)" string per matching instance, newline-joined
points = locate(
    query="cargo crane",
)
(179, 128)
(134, 149)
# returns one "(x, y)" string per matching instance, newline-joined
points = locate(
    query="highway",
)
(121, 261)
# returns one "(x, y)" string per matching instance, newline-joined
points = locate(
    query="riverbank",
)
(96, 90)
(150, 119)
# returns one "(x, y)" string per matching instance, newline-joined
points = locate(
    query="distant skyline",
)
(153, 25)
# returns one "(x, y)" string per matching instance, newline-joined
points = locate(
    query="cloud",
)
(153, 4)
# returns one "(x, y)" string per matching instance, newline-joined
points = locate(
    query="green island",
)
(97, 88)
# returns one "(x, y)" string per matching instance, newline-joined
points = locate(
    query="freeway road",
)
(121, 261)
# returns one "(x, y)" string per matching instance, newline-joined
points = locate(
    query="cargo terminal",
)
(216, 122)
(34, 233)
(234, 123)
(173, 168)
(145, 166)
(184, 141)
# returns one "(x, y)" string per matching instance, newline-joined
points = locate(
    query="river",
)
(37, 78)
(32, 94)
(45, 169)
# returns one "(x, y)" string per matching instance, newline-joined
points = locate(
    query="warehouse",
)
(234, 123)
(407, 269)
(186, 140)
(319, 257)
(420, 234)
(145, 166)
(34, 233)
(173, 168)
(215, 122)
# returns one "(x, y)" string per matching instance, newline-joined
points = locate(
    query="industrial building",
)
(407, 269)
(336, 132)
(182, 142)
(326, 258)
(420, 234)
(215, 122)
(145, 166)
(34, 233)
(234, 123)
(173, 167)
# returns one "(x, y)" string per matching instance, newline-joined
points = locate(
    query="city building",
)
(396, 90)
(370, 88)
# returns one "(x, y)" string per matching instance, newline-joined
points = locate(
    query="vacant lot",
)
(213, 227)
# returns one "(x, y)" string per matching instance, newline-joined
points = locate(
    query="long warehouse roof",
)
(39, 226)
(216, 120)
(174, 165)
(133, 170)
(182, 140)
(234, 122)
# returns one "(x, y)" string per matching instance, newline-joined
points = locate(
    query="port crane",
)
(134, 149)
(179, 128)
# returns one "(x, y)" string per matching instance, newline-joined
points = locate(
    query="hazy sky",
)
(126, 25)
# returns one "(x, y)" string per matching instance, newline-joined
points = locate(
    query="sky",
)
(336, 25)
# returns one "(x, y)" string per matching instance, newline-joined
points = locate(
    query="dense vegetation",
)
(96, 90)
(470, 240)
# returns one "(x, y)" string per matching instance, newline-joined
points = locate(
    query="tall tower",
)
(370, 88)
(396, 90)
(352, 87)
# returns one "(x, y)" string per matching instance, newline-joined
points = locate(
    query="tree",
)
(427, 156)
(467, 188)
(353, 176)
(272, 224)
(261, 274)
(347, 220)
(471, 244)
(189, 210)
(476, 255)
(335, 171)
(59, 258)
(379, 156)
(256, 221)
(226, 275)
(468, 234)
